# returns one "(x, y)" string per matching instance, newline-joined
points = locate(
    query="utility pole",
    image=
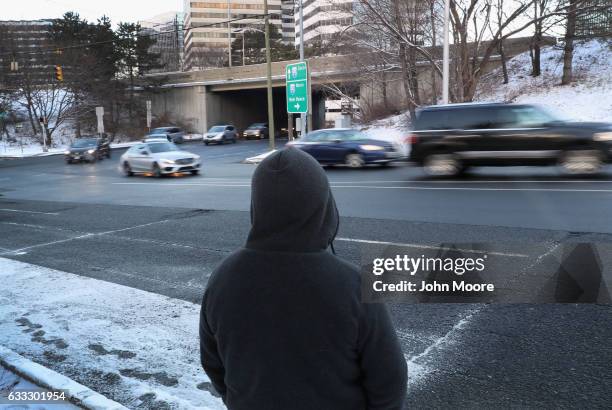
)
(269, 75)
(302, 116)
(229, 32)
(445, 53)
(243, 55)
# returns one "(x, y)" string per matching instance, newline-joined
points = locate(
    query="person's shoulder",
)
(226, 267)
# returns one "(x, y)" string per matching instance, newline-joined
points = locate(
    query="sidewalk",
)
(140, 348)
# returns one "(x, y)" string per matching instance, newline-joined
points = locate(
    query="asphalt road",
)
(167, 235)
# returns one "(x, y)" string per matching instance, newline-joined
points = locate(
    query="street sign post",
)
(296, 83)
(100, 116)
(149, 114)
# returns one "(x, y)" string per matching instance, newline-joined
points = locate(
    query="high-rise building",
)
(208, 33)
(26, 42)
(323, 19)
(288, 21)
(168, 31)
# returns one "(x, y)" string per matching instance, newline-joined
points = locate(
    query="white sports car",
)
(158, 157)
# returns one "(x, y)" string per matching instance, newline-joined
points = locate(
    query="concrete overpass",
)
(236, 94)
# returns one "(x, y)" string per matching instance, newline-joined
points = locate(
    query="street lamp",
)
(243, 32)
(269, 75)
(229, 32)
(445, 53)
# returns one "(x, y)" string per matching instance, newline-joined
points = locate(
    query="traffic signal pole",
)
(302, 116)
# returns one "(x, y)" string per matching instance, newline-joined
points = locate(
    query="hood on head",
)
(292, 206)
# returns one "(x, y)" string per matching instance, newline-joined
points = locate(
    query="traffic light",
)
(59, 74)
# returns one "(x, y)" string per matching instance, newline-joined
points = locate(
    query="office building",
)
(207, 30)
(168, 30)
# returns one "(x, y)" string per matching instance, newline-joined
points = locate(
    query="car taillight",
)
(412, 139)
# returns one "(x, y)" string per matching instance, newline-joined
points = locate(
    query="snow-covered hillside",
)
(588, 98)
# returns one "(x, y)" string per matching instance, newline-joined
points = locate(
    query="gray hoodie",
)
(282, 324)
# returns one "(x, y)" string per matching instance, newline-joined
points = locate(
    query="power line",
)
(159, 33)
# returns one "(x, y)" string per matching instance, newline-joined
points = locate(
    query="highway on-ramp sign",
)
(296, 83)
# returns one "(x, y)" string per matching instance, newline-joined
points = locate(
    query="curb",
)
(49, 379)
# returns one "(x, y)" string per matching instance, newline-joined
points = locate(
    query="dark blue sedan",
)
(346, 146)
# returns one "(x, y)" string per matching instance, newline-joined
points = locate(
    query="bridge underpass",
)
(246, 106)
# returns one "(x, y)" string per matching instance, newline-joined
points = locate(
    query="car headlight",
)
(603, 136)
(167, 161)
(372, 147)
(91, 151)
(67, 152)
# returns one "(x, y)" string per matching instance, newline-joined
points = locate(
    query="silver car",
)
(219, 134)
(158, 158)
(174, 134)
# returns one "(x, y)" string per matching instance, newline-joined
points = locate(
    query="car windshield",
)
(84, 143)
(162, 147)
(348, 135)
(158, 131)
(256, 126)
(217, 128)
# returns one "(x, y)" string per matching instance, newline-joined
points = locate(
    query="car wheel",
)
(442, 165)
(354, 160)
(127, 170)
(195, 172)
(108, 154)
(68, 161)
(234, 140)
(93, 159)
(205, 142)
(156, 171)
(581, 161)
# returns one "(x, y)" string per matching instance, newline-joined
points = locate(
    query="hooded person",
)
(282, 324)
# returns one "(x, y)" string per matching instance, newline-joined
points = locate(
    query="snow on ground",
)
(35, 149)
(589, 98)
(394, 129)
(138, 348)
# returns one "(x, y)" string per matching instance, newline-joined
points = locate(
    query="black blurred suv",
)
(88, 149)
(447, 139)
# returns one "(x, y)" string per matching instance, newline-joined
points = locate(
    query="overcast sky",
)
(117, 10)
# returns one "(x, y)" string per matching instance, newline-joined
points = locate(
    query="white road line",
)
(24, 250)
(421, 188)
(29, 212)
(421, 246)
(416, 188)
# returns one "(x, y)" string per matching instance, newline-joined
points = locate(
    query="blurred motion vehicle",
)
(156, 137)
(346, 146)
(447, 139)
(220, 134)
(173, 134)
(88, 149)
(158, 158)
(258, 130)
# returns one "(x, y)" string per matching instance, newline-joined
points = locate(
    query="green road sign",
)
(296, 83)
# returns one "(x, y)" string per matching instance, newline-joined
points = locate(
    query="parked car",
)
(346, 146)
(174, 134)
(258, 130)
(220, 134)
(158, 158)
(450, 138)
(88, 149)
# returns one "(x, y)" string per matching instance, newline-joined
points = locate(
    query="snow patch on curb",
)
(139, 348)
(51, 380)
(258, 158)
